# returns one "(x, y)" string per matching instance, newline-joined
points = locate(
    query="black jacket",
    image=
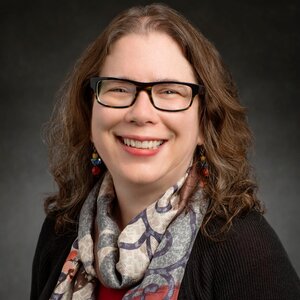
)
(249, 264)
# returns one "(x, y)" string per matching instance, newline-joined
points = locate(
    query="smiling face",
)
(140, 145)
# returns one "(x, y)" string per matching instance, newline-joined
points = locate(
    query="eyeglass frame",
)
(197, 89)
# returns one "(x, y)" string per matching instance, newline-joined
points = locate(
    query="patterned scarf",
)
(148, 257)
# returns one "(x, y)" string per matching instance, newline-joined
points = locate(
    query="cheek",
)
(192, 132)
(104, 120)
(187, 126)
(99, 122)
(196, 125)
(99, 131)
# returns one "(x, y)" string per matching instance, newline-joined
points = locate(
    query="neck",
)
(132, 199)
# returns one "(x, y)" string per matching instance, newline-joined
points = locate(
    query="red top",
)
(105, 293)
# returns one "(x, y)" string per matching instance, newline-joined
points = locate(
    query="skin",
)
(141, 176)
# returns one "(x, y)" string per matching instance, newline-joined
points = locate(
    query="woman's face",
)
(169, 138)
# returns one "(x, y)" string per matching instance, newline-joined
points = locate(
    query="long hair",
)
(229, 189)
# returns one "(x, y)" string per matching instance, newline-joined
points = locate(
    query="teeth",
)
(142, 144)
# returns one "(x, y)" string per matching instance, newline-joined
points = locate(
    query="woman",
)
(148, 146)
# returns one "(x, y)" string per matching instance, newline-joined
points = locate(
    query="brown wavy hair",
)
(229, 190)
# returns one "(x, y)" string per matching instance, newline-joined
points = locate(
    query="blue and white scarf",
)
(148, 256)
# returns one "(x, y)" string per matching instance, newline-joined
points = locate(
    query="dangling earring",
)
(204, 168)
(96, 161)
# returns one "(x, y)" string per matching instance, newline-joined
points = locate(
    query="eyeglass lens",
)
(169, 96)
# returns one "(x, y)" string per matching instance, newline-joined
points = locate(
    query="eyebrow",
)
(154, 80)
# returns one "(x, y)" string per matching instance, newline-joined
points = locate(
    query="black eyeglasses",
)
(168, 96)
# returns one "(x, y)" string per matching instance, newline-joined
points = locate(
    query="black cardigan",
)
(249, 264)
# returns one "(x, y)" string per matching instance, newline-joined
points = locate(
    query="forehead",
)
(154, 55)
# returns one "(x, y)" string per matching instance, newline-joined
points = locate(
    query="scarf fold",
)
(148, 257)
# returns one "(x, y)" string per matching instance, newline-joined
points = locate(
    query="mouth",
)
(145, 144)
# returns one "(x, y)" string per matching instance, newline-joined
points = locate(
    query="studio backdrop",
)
(40, 41)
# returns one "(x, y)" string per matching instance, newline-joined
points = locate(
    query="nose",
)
(142, 111)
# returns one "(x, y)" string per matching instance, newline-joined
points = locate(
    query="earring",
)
(204, 167)
(96, 162)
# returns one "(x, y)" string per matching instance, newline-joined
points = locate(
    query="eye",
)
(116, 87)
(118, 90)
(169, 92)
(165, 91)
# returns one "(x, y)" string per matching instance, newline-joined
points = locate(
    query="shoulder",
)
(249, 263)
(50, 254)
(49, 238)
(249, 235)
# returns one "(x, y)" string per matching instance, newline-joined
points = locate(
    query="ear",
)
(200, 139)
(91, 134)
(92, 114)
(91, 137)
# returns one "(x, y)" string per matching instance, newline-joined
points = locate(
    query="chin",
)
(140, 177)
(143, 179)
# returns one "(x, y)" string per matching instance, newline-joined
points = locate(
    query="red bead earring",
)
(204, 168)
(96, 162)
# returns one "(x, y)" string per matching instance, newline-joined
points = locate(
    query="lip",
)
(139, 151)
(141, 138)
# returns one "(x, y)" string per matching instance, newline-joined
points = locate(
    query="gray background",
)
(39, 44)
